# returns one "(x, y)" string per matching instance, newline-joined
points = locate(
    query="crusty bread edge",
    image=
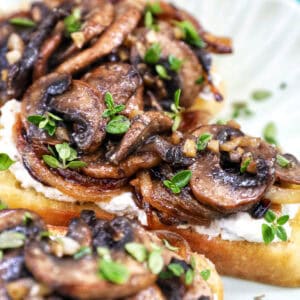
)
(275, 264)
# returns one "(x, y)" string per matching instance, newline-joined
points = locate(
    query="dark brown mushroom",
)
(109, 40)
(83, 106)
(290, 173)
(80, 278)
(217, 180)
(188, 73)
(20, 73)
(142, 127)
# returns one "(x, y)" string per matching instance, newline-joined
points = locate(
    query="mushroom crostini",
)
(97, 259)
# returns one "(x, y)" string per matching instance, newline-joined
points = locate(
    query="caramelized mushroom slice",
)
(19, 75)
(121, 80)
(82, 105)
(80, 278)
(290, 173)
(100, 14)
(109, 40)
(142, 127)
(188, 73)
(217, 180)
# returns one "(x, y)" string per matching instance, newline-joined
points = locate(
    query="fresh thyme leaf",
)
(152, 55)
(205, 274)
(83, 251)
(118, 125)
(281, 233)
(137, 251)
(154, 8)
(46, 122)
(24, 22)
(162, 72)
(176, 269)
(51, 161)
(282, 161)
(190, 33)
(240, 109)
(270, 133)
(169, 246)
(5, 162)
(72, 22)
(149, 19)
(189, 277)
(76, 164)
(113, 271)
(155, 261)
(175, 63)
(200, 80)
(11, 240)
(270, 216)
(203, 141)
(179, 181)
(245, 164)
(261, 95)
(283, 220)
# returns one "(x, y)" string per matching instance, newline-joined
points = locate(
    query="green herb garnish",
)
(27, 218)
(169, 246)
(149, 19)
(5, 162)
(154, 8)
(176, 269)
(118, 125)
(189, 277)
(2, 205)
(137, 251)
(72, 22)
(104, 253)
(113, 271)
(24, 22)
(152, 55)
(46, 122)
(11, 240)
(245, 164)
(240, 109)
(274, 227)
(203, 141)
(179, 181)
(155, 261)
(260, 95)
(112, 108)
(200, 80)
(83, 251)
(162, 72)
(269, 133)
(282, 161)
(175, 63)
(190, 34)
(175, 115)
(205, 274)
(66, 158)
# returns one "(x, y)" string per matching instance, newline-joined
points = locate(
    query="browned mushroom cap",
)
(15, 224)
(190, 70)
(183, 207)
(83, 106)
(19, 75)
(80, 278)
(152, 292)
(121, 80)
(290, 173)
(71, 183)
(142, 127)
(101, 168)
(217, 180)
(99, 14)
(109, 40)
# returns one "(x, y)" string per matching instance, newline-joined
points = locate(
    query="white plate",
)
(266, 36)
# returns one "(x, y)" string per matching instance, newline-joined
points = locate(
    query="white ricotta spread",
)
(122, 204)
(242, 227)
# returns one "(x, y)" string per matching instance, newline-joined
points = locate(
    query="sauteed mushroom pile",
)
(95, 259)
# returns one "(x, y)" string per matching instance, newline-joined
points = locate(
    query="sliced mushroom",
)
(217, 180)
(188, 73)
(100, 15)
(19, 74)
(83, 106)
(111, 39)
(142, 127)
(80, 278)
(183, 207)
(128, 167)
(290, 173)
(121, 80)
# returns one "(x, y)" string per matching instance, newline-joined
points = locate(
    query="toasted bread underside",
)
(276, 263)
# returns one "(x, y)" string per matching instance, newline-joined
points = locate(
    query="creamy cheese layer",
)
(122, 204)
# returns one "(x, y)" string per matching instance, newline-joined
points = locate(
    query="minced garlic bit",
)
(78, 39)
(190, 148)
(214, 146)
